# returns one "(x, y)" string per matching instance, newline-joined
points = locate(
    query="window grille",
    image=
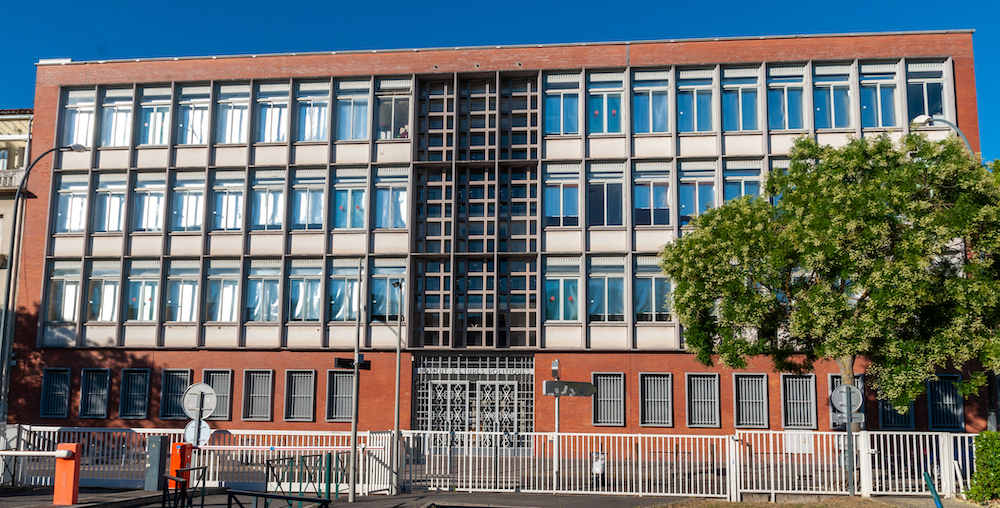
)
(257, 398)
(299, 388)
(94, 393)
(751, 400)
(945, 403)
(339, 395)
(134, 399)
(799, 401)
(656, 397)
(55, 393)
(703, 400)
(221, 382)
(859, 382)
(609, 401)
(172, 393)
(889, 418)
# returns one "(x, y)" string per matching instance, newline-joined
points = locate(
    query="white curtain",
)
(78, 124)
(232, 123)
(116, 124)
(273, 122)
(155, 122)
(192, 129)
(312, 120)
(188, 210)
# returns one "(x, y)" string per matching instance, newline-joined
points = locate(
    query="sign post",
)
(199, 401)
(847, 399)
(557, 389)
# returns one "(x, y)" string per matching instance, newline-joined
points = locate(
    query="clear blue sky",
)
(116, 29)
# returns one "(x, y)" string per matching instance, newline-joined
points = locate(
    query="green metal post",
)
(326, 476)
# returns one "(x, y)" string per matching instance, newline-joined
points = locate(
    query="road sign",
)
(203, 435)
(839, 399)
(568, 389)
(842, 417)
(348, 363)
(193, 396)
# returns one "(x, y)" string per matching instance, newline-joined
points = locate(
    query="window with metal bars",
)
(339, 395)
(134, 398)
(94, 393)
(55, 393)
(609, 401)
(656, 397)
(257, 394)
(175, 381)
(703, 400)
(944, 401)
(300, 388)
(859, 382)
(221, 381)
(750, 400)
(798, 401)
(890, 419)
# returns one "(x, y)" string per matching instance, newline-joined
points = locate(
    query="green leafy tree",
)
(877, 249)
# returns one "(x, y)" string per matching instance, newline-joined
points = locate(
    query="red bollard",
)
(67, 479)
(180, 458)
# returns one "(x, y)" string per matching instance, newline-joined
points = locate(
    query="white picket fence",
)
(720, 466)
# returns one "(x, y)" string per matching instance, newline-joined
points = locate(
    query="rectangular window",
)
(257, 394)
(263, 290)
(4, 157)
(94, 384)
(696, 190)
(232, 111)
(650, 101)
(143, 291)
(609, 401)
(652, 291)
(891, 419)
(349, 207)
(652, 193)
(300, 387)
(385, 297)
(154, 109)
(272, 112)
(78, 117)
(390, 207)
(109, 203)
(175, 381)
(344, 289)
(313, 106)
(878, 95)
(268, 205)
(657, 400)
(925, 89)
(798, 401)
(832, 96)
(222, 382)
(859, 382)
(604, 103)
(339, 395)
(562, 104)
(71, 204)
(784, 98)
(945, 406)
(394, 108)
(188, 209)
(222, 297)
(182, 290)
(742, 178)
(308, 197)
(192, 115)
(694, 100)
(562, 195)
(750, 400)
(64, 291)
(605, 195)
(134, 398)
(352, 110)
(305, 298)
(739, 99)
(148, 201)
(606, 289)
(227, 210)
(703, 400)
(55, 393)
(562, 281)
(116, 117)
(102, 291)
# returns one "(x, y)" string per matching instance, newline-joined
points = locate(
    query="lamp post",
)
(927, 120)
(394, 453)
(8, 312)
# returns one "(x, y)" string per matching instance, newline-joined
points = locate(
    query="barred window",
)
(257, 395)
(945, 403)
(703, 400)
(859, 382)
(94, 393)
(750, 400)
(55, 393)
(609, 401)
(890, 419)
(798, 401)
(339, 394)
(221, 381)
(299, 392)
(175, 381)
(656, 396)
(134, 399)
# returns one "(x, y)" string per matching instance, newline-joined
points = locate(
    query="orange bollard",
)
(180, 458)
(67, 479)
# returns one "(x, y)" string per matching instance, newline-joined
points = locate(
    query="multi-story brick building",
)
(242, 221)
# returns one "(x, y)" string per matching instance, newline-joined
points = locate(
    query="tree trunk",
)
(846, 364)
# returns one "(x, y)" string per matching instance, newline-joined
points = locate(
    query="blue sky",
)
(129, 29)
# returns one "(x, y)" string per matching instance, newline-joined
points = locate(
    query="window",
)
(313, 100)
(263, 290)
(945, 405)
(606, 289)
(268, 205)
(605, 200)
(562, 281)
(750, 400)
(94, 393)
(798, 401)
(109, 203)
(188, 209)
(64, 291)
(703, 400)
(143, 291)
(344, 289)
(78, 118)
(394, 108)
(385, 298)
(231, 114)
(116, 117)
(72, 201)
(739, 99)
(696, 190)
(147, 210)
(694, 100)
(562, 104)
(650, 101)
(134, 398)
(656, 398)
(784, 98)
(604, 102)
(300, 386)
(652, 291)
(652, 193)
(257, 394)
(55, 393)
(832, 96)
(352, 110)
(227, 208)
(222, 297)
(308, 196)
(742, 178)
(272, 112)
(175, 381)
(305, 297)
(859, 382)
(222, 382)
(154, 109)
(4, 159)
(562, 196)
(102, 291)
(339, 395)
(349, 207)
(925, 89)
(192, 115)
(878, 95)
(609, 401)
(889, 418)
(182, 290)
(390, 206)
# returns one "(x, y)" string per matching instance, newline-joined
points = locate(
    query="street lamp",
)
(927, 120)
(6, 337)
(394, 454)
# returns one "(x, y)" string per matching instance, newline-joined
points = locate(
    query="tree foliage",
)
(875, 248)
